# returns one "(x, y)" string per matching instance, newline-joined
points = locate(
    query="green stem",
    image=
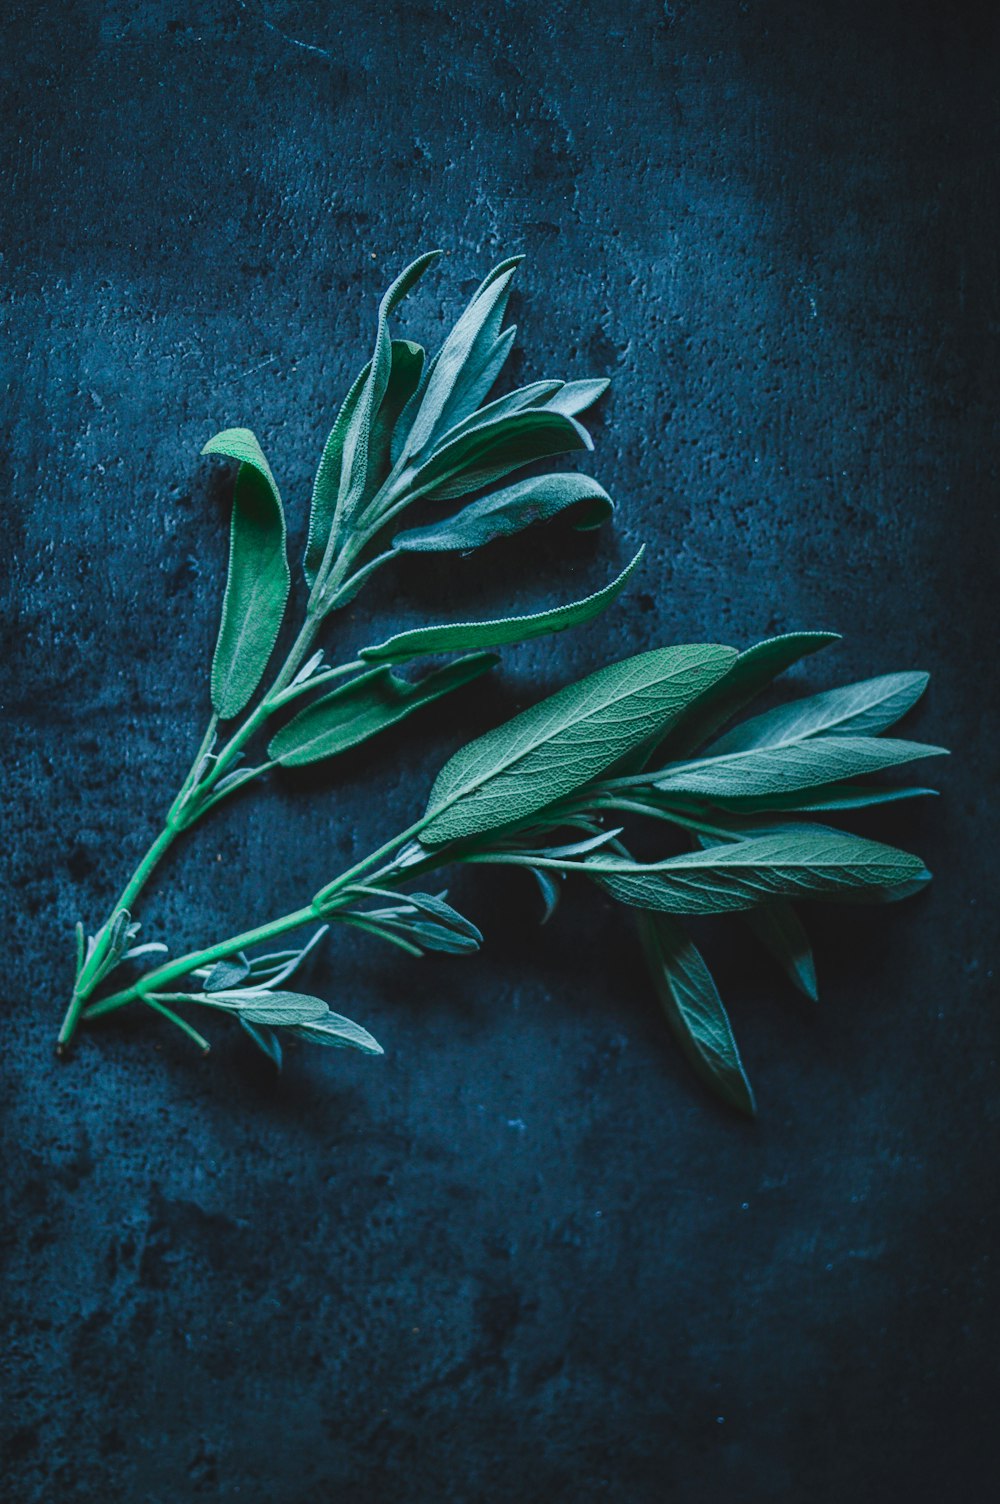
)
(159, 1007)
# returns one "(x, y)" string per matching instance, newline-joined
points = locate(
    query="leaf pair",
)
(416, 922)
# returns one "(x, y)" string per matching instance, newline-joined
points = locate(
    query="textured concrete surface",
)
(521, 1257)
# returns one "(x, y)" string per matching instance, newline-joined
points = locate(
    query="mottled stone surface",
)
(522, 1257)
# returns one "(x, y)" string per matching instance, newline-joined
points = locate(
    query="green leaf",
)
(694, 1010)
(487, 451)
(329, 475)
(339, 1032)
(781, 932)
(227, 974)
(557, 746)
(467, 364)
(268, 1007)
(432, 905)
(405, 366)
(863, 709)
(574, 397)
(258, 579)
(753, 671)
(785, 768)
(264, 1039)
(365, 706)
(509, 511)
(797, 862)
(358, 432)
(461, 636)
(833, 797)
(551, 891)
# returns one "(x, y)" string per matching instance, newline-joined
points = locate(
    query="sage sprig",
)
(410, 430)
(653, 746)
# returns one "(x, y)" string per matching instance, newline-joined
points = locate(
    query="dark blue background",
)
(523, 1257)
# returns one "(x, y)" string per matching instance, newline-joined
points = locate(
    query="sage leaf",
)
(551, 891)
(468, 362)
(329, 477)
(830, 798)
(509, 511)
(433, 905)
(487, 451)
(355, 455)
(555, 747)
(863, 709)
(265, 1040)
(694, 1010)
(268, 1007)
(365, 706)
(753, 671)
(258, 578)
(338, 1032)
(782, 933)
(797, 862)
(227, 974)
(461, 636)
(574, 397)
(790, 766)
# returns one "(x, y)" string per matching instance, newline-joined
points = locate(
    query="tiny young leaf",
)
(258, 578)
(461, 636)
(227, 974)
(694, 1010)
(367, 705)
(339, 1032)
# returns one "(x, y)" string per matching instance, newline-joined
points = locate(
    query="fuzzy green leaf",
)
(467, 364)
(461, 636)
(365, 706)
(785, 768)
(798, 862)
(258, 579)
(509, 511)
(340, 1033)
(830, 798)
(329, 476)
(490, 450)
(552, 749)
(227, 974)
(268, 1007)
(694, 1010)
(863, 709)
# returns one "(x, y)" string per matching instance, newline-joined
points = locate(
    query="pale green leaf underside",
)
(503, 513)
(465, 635)
(694, 1010)
(258, 578)
(863, 709)
(794, 863)
(555, 747)
(786, 768)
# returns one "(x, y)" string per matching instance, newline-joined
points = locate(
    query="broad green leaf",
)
(493, 449)
(509, 511)
(461, 636)
(753, 671)
(467, 364)
(258, 579)
(781, 932)
(786, 768)
(365, 706)
(555, 747)
(797, 862)
(338, 1032)
(863, 709)
(694, 1010)
(264, 1039)
(268, 1007)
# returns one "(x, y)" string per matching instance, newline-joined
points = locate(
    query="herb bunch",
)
(558, 789)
